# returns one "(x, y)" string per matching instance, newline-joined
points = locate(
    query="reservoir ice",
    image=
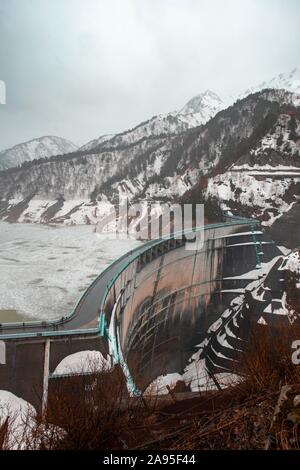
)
(44, 270)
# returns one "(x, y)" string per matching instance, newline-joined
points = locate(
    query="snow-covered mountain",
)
(247, 156)
(287, 81)
(219, 158)
(201, 108)
(96, 142)
(264, 181)
(42, 147)
(195, 113)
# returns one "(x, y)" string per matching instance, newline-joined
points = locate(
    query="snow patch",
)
(83, 362)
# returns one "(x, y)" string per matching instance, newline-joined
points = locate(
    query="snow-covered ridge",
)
(265, 179)
(96, 142)
(161, 125)
(196, 112)
(42, 147)
(202, 107)
(266, 198)
(288, 81)
(73, 189)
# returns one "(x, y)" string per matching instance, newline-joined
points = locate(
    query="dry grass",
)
(95, 411)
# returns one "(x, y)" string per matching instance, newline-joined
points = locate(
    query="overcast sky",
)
(82, 68)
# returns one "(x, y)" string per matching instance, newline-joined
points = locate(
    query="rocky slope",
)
(42, 147)
(264, 181)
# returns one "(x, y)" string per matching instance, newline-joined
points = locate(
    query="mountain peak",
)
(201, 108)
(206, 103)
(289, 81)
(41, 147)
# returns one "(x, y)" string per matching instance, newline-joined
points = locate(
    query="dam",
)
(147, 311)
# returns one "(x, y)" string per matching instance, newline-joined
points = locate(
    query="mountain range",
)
(42, 147)
(246, 155)
(195, 112)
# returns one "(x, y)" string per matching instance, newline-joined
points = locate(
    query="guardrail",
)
(47, 334)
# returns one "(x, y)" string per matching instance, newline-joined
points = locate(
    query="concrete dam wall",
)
(154, 306)
(164, 301)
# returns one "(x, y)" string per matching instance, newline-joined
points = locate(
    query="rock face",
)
(42, 147)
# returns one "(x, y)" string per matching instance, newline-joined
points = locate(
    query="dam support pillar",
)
(2, 353)
(46, 377)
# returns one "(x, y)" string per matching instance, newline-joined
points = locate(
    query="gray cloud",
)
(81, 68)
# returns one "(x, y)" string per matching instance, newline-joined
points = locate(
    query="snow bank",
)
(24, 432)
(266, 196)
(197, 377)
(83, 362)
(159, 385)
(21, 418)
(293, 262)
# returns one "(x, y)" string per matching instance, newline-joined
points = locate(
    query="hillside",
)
(42, 147)
(78, 187)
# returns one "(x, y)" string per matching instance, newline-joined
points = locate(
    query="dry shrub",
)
(240, 416)
(285, 428)
(4, 433)
(17, 418)
(94, 411)
(267, 360)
